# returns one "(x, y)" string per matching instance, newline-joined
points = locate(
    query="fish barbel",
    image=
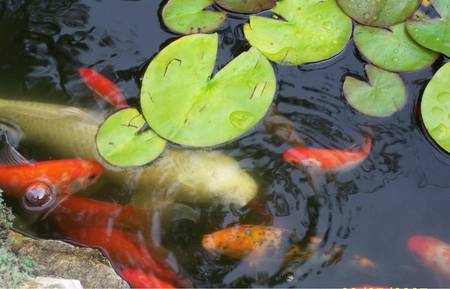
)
(184, 175)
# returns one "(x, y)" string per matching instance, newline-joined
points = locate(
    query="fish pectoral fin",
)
(9, 156)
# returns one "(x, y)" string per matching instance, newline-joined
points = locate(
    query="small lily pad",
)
(187, 17)
(379, 12)
(122, 142)
(310, 31)
(183, 104)
(392, 48)
(435, 107)
(247, 6)
(384, 95)
(433, 33)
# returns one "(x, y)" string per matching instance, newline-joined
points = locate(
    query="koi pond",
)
(327, 170)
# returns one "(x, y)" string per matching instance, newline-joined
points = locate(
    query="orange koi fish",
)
(139, 279)
(241, 240)
(41, 185)
(103, 87)
(328, 160)
(433, 253)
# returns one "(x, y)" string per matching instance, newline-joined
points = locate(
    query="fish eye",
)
(38, 196)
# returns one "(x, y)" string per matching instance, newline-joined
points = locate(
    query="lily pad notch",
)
(123, 140)
(183, 104)
(384, 95)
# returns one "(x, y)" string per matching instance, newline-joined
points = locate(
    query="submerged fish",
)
(42, 185)
(433, 253)
(122, 250)
(241, 240)
(328, 159)
(139, 279)
(103, 87)
(193, 176)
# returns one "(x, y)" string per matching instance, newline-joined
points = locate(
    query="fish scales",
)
(186, 175)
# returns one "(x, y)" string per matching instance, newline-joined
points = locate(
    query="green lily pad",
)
(312, 31)
(433, 33)
(183, 104)
(248, 6)
(121, 141)
(384, 95)
(435, 107)
(379, 12)
(392, 48)
(187, 17)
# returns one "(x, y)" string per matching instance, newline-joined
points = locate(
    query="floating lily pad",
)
(392, 48)
(187, 17)
(379, 12)
(310, 31)
(247, 6)
(121, 141)
(435, 107)
(183, 104)
(433, 33)
(384, 95)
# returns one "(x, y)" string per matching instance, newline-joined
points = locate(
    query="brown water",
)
(402, 189)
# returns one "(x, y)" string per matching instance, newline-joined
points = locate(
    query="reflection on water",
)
(400, 190)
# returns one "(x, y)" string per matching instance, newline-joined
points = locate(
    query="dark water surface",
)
(402, 189)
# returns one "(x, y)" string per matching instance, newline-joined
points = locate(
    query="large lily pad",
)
(435, 107)
(121, 141)
(384, 95)
(379, 12)
(311, 31)
(187, 17)
(392, 48)
(433, 33)
(184, 105)
(247, 6)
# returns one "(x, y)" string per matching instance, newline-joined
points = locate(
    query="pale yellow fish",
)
(186, 175)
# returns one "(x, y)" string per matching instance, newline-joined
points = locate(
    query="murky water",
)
(401, 190)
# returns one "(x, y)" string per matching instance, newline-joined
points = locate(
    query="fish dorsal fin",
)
(9, 156)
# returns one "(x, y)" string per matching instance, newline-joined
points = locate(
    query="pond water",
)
(401, 190)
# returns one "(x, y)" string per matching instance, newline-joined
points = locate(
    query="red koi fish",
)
(328, 160)
(43, 184)
(103, 87)
(99, 214)
(433, 253)
(139, 279)
(121, 249)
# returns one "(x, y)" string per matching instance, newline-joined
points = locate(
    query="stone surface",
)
(52, 283)
(62, 260)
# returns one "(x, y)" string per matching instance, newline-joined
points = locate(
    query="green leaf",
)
(313, 30)
(121, 141)
(379, 12)
(384, 95)
(435, 107)
(392, 48)
(433, 33)
(187, 17)
(183, 104)
(248, 6)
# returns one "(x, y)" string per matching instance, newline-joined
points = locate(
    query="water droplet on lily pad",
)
(392, 49)
(210, 110)
(121, 140)
(384, 95)
(187, 17)
(435, 106)
(247, 6)
(433, 33)
(303, 37)
(379, 12)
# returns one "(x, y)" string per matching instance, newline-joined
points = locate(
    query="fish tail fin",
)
(367, 147)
